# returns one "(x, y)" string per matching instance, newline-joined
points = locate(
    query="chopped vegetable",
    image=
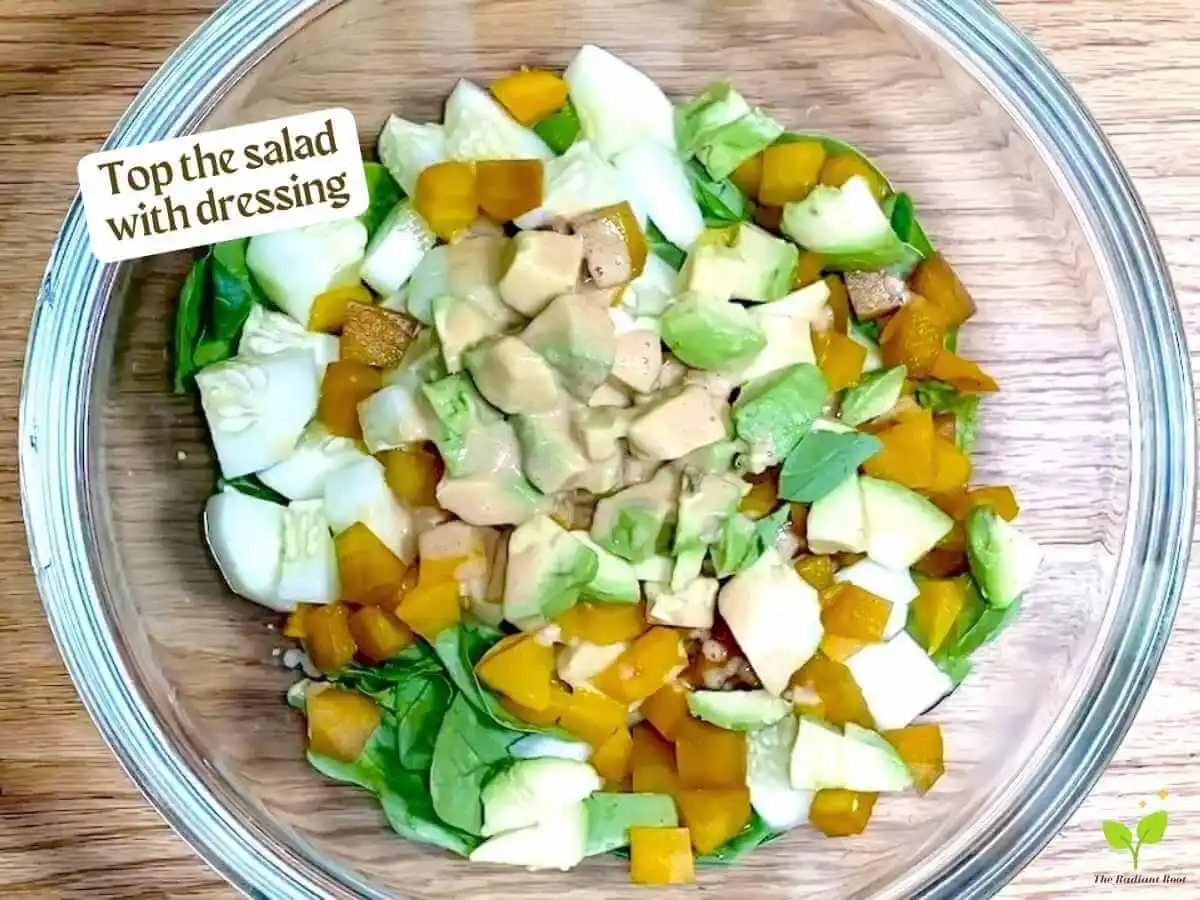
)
(936, 281)
(645, 667)
(327, 637)
(666, 709)
(713, 816)
(378, 634)
(508, 189)
(618, 105)
(722, 130)
(660, 191)
(920, 746)
(530, 95)
(478, 128)
(1004, 560)
(447, 198)
(790, 171)
(710, 757)
(396, 249)
(375, 336)
(294, 267)
(840, 813)
(407, 149)
(520, 667)
(839, 358)
(660, 856)
(340, 722)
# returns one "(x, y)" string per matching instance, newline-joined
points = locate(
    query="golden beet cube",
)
(413, 473)
(346, 384)
(666, 709)
(840, 699)
(653, 660)
(327, 637)
(841, 167)
(370, 573)
(530, 95)
(710, 757)
(659, 856)
(713, 816)
(447, 198)
(848, 611)
(790, 171)
(908, 451)
(593, 717)
(378, 634)
(603, 623)
(614, 757)
(520, 667)
(920, 746)
(839, 358)
(936, 281)
(509, 188)
(429, 609)
(816, 570)
(340, 722)
(329, 309)
(839, 813)
(936, 608)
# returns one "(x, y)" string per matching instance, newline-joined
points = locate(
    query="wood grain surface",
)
(72, 825)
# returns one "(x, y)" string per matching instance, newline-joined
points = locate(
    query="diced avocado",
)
(775, 616)
(837, 522)
(847, 226)
(678, 425)
(692, 606)
(556, 842)
(902, 526)
(600, 430)
(294, 266)
(1003, 559)
(787, 324)
(610, 816)
(533, 789)
(460, 325)
(742, 262)
(822, 758)
(396, 249)
(773, 413)
(547, 570)
(656, 567)
(711, 332)
(875, 396)
(717, 457)
(491, 498)
(455, 406)
(633, 522)
(738, 710)
(898, 680)
(705, 502)
(550, 455)
(512, 376)
(577, 338)
(738, 546)
(615, 581)
(769, 757)
(722, 130)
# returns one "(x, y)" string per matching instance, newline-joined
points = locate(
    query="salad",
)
(614, 473)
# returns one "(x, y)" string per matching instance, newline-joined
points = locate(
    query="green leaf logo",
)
(1150, 830)
(1117, 834)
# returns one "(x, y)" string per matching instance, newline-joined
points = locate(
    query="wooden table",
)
(72, 825)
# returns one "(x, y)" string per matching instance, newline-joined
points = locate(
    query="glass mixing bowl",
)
(1094, 428)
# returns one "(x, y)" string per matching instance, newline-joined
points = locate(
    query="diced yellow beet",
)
(327, 637)
(441, 570)
(790, 171)
(340, 722)
(808, 270)
(936, 608)
(603, 623)
(294, 627)
(666, 709)
(429, 609)
(920, 746)
(914, 337)
(999, 497)
(816, 570)
(413, 472)
(908, 451)
(378, 634)
(748, 176)
(447, 199)
(559, 698)
(370, 573)
(839, 358)
(839, 303)
(840, 649)
(713, 816)
(530, 95)
(839, 694)
(936, 281)
(763, 496)
(840, 813)
(962, 374)
(345, 385)
(768, 217)
(521, 668)
(951, 467)
(660, 856)
(612, 759)
(509, 188)
(375, 336)
(942, 562)
(329, 309)
(710, 757)
(848, 611)
(592, 717)
(653, 660)
(840, 168)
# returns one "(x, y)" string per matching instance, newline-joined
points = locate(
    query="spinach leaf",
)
(951, 340)
(233, 290)
(189, 320)
(252, 486)
(383, 194)
(823, 460)
(721, 203)
(943, 398)
(469, 749)
(559, 130)
(755, 834)
(672, 255)
(869, 329)
(899, 209)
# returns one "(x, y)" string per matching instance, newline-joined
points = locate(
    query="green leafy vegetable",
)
(384, 194)
(560, 130)
(722, 130)
(977, 625)
(233, 290)
(672, 255)
(721, 203)
(899, 208)
(943, 398)
(253, 487)
(869, 329)
(876, 395)
(773, 413)
(821, 461)
(469, 749)
(189, 320)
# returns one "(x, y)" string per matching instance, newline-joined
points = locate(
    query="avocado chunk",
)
(632, 523)
(738, 710)
(691, 606)
(547, 570)
(460, 325)
(776, 618)
(705, 502)
(531, 790)
(711, 332)
(876, 395)
(678, 425)
(610, 816)
(557, 842)
(578, 340)
(1003, 559)
(512, 376)
(737, 548)
(491, 498)
(858, 760)
(773, 413)
(543, 265)
(615, 580)
(743, 262)
(847, 226)
(550, 455)
(837, 522)
(902, 526)
(788, 325)
(768, 764)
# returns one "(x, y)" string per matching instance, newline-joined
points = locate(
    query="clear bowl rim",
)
(56, 400)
